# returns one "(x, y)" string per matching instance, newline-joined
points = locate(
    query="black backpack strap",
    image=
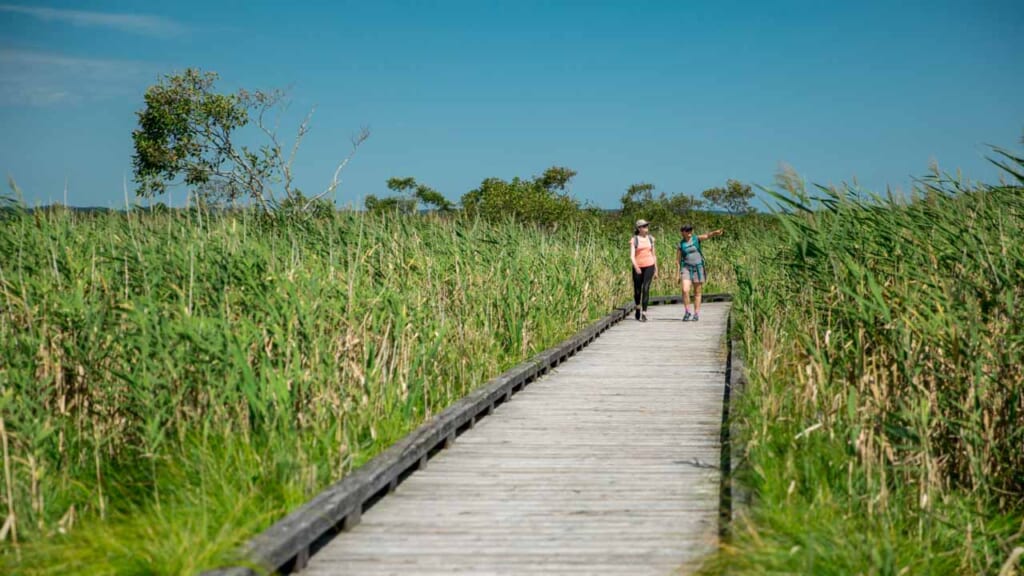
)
(636, 242)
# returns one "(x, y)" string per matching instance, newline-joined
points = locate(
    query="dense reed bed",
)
(172, 383)
(885, 411)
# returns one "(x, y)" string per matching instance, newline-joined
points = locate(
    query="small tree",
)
(639, 201)
(734, 197)
(186, 134)
(680, 205)
(539, 200)
(421, 193)
(411, 195)
(638, 198)
(555, 178)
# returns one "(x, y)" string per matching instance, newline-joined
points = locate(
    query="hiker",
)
(691, 268)
(645, 266)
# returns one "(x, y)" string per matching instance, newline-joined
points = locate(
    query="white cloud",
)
(42, 79)
(134, 23)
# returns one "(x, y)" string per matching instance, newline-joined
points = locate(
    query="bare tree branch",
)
(357, 140)
(287, 167)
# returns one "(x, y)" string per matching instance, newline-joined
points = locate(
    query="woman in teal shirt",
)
(691, 268)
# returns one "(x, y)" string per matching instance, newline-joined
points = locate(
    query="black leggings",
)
(642, 285)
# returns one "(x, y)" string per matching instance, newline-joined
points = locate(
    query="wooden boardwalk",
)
(607, 465)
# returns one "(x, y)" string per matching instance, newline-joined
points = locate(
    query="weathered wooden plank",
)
(341, 505)
(608, 464)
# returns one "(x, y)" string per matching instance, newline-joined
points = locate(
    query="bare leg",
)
(697, 286)
(686, 293)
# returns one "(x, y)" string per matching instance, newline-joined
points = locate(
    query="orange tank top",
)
(644, 250)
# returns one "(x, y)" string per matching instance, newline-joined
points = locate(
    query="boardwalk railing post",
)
(352, 519)
(301, 559)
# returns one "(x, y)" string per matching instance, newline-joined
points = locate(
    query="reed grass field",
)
(171, 383)
(884, 419)
(174, 382)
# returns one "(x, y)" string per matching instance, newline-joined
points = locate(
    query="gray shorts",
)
(694, 274)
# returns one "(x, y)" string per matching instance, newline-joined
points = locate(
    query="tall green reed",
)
(172, 383)
(885, 413)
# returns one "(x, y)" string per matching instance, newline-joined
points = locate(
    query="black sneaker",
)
(637, 314)
(687, 317)
(696, 317)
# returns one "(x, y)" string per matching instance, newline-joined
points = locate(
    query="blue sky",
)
(680, 94)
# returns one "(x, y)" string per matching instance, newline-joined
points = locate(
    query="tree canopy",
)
(540, 200)
(734, 197)
(411, 196)
(187, 133)
(640, 201)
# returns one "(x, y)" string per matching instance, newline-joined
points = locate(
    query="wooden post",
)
(353, 518)
(301, 560)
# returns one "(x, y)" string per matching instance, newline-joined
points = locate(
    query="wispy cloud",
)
(43, 79)
(134, 23)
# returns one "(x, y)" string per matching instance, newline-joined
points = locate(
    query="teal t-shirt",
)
(691, 251)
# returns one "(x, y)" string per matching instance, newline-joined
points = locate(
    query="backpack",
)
(696, 244)
(636, 242)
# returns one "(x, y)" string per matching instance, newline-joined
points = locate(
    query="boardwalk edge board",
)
(286, 546)
(734, 497)
(740, 495)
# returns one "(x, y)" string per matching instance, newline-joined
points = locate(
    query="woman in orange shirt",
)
(645, 266)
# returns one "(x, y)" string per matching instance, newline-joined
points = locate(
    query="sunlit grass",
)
(884, 417)
(173, 383)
